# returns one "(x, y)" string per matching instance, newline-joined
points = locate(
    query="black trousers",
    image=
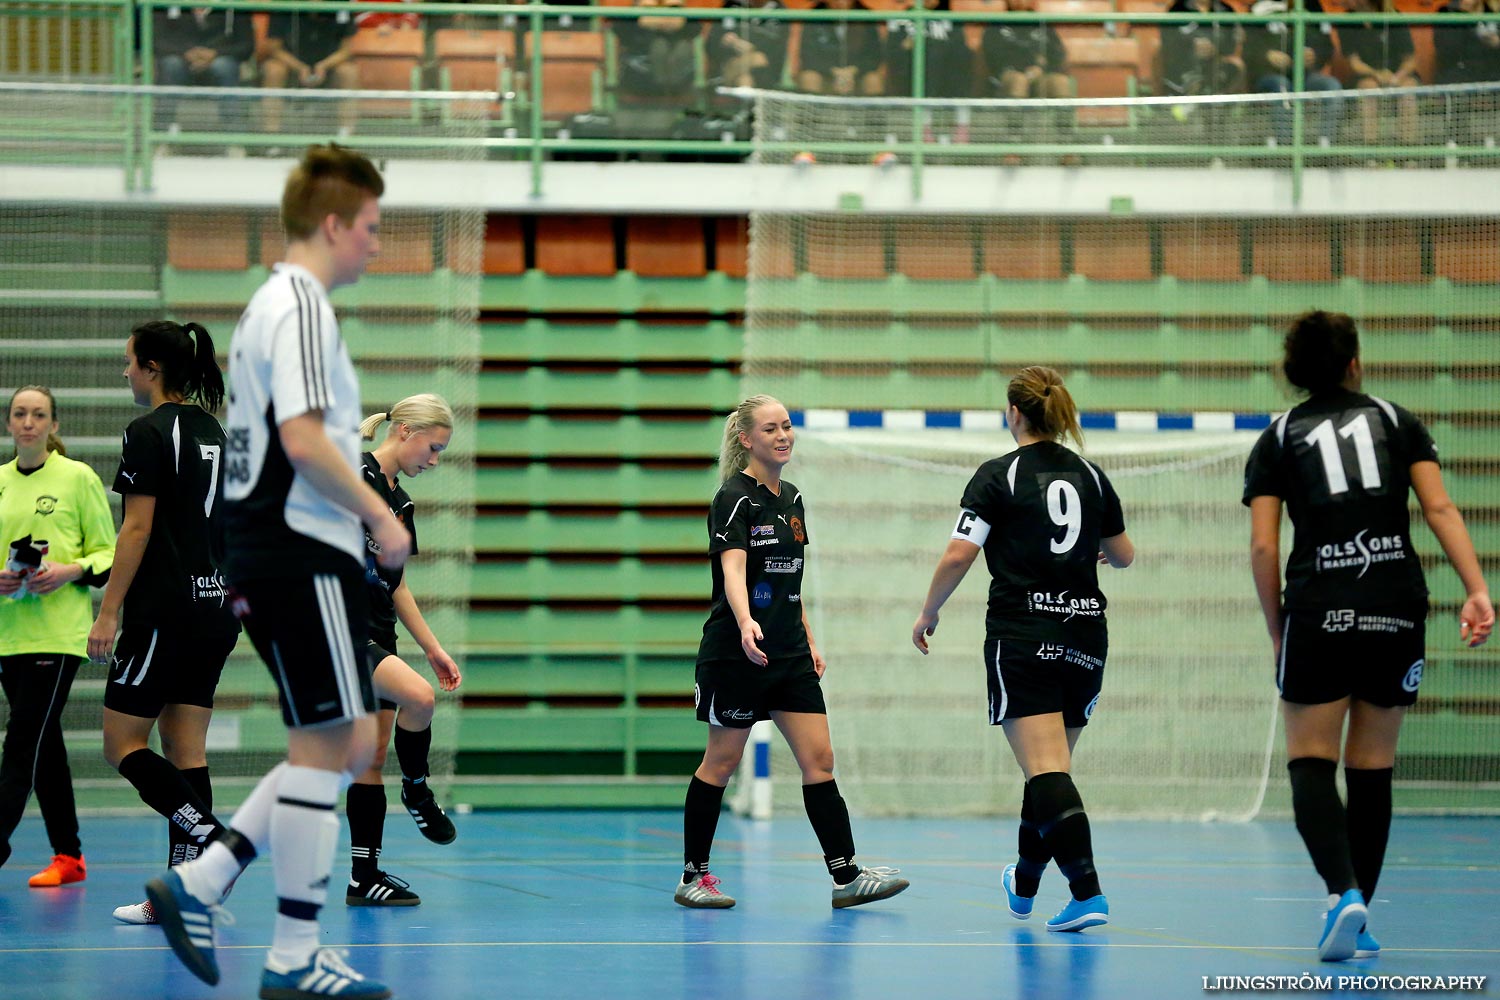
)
(37, 686)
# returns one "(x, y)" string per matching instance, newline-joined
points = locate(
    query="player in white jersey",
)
(1348, 632)
(295, 565)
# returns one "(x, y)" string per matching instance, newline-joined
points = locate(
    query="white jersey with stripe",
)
(286, 359)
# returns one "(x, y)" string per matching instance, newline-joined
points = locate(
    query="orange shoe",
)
(62, 871)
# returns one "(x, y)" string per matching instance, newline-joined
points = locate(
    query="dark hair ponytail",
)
(185, 356)
(1317, 350)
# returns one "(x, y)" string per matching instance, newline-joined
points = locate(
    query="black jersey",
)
(174, 454)
(1342, 463)
(382, 581)
(772, 530)
(1039, 513)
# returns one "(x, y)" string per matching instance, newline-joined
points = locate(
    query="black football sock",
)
(700, 818)
(198, 780)
(1064, 828)
(365, 807)
(1031, 853)
(412, 751)
(1369, 823)
(164, 788)
(830, 821)
(1321, 821)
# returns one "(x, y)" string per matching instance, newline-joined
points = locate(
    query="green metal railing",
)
(534, 139)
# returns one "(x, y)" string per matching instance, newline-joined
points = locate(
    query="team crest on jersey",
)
(45, 505)
(797, 531)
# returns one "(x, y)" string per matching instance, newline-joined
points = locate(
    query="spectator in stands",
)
(1269, 63)
(948, 66)
(196, 46)
(748, 51)
(1026, 59)
(656, 53)
(387, 20)
(840, 57)
(1469, 53)
(309, 50)
(1382, 56)
(1199, 58)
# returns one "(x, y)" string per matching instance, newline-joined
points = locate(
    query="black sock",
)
(1369, 823)
(1064, 829)
(1031, 853)
(700, 818)
(164, 788)
(1321, 821)
(412, 751)
(830, 821)
(185, 848)
(365, 806)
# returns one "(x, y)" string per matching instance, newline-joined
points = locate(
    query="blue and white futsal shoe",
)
(1020, 906)
(188, 924)
(868, 886)
(1365, 946)
(325, 976)
(1081, 913)
(1341, 926)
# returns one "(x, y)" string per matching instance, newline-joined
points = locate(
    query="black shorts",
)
(1037, 678)
(736, 694)
(311, 632)
(377, 649)
(156, 665)
(1373, 655)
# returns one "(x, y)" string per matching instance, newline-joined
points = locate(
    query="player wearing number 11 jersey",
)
(1348, 634)
(1044, 517)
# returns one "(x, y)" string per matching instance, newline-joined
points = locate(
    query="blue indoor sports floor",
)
(578, 904)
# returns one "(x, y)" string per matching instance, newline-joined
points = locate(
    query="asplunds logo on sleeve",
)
(1362, 551)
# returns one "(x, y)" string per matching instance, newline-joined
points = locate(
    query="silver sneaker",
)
(868, 886)
(702, 894)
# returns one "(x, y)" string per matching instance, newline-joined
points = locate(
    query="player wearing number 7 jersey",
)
(165, 582)
(1348, 633)
(1044, 517)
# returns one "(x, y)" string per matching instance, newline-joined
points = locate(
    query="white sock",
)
(207, 876)
(304, 832)
(253, 818)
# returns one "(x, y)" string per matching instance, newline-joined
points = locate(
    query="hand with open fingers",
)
(749, 636)
(1476, 620)
(445, 669)
(102, 636)
(925, 626)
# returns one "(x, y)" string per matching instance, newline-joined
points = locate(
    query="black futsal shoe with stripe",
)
(429, 816)
(382, 890)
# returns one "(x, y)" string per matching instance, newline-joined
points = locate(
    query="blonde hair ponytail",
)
(421, 412)
(1038, 392)
(733, 456)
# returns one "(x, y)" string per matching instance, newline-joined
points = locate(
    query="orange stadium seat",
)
(732, 245)
(1076, 30)
(475, 60)
(272, 240)
(666, 247)
(1023, 249)
(1383, 252)
(1148, 71)
(387, 60)
(1458, 255)
(575, 245)
(934, 250)
(1103, 67)
(504, 246)
(209, 242)
(571, 62)
(846, 248)
(1112, 249)
(405, 245)
(1292, 250)
(1201, 251)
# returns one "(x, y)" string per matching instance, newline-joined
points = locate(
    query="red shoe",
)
(62, 871)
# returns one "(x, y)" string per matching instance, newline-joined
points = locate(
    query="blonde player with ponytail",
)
(1044, 517)
(420, 429)
(757, 659)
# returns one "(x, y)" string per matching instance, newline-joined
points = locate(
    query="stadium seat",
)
(1459, 254)
(1112, 250)
(475, 60)
(732, 245)
(504, 245)
(1293, 250)
(934, 250)
(1383, 252)
(208, 242)
(1023, 249)
(572, 68)
(1103, 67)
(846, 248)
(405, 245)
(1202, 251)
(1077, 30)
(388, 60)
(1148, 72)
(575, 245)
(272, 240)
(665, 247)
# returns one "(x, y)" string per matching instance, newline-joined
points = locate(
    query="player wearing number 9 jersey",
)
(165, 581)
(1348, 633)
(1044, 517)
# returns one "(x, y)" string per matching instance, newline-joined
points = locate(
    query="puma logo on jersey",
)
(129, 476)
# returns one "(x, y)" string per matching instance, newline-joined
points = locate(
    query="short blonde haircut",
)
(329, 180)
